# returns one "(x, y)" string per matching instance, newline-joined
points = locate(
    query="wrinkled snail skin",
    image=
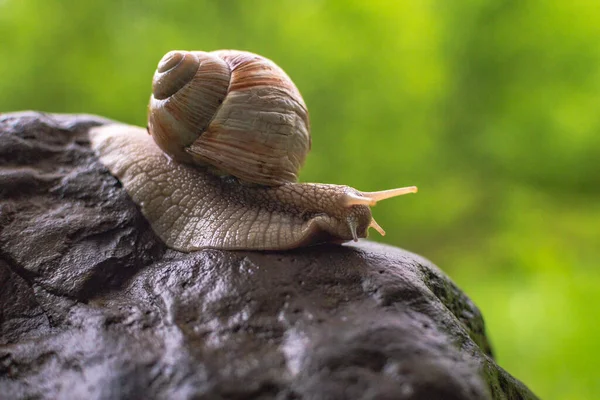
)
(191, 209)
(227, 134)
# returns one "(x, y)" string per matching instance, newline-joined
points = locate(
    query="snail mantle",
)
(94, 305)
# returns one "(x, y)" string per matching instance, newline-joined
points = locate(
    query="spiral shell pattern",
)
(235, 111)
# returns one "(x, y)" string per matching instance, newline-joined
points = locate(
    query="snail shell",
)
(237, 114)
(233, 110)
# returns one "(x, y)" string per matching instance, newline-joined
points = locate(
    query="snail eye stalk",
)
(371, 198)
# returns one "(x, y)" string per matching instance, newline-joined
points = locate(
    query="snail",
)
(217, 166)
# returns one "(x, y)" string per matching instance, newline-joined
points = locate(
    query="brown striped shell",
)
(233, 110)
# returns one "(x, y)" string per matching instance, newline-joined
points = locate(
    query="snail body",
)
(235, 133)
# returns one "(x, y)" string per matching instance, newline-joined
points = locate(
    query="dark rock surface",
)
(93, 306)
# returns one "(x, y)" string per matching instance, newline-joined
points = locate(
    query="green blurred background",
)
(490, 107)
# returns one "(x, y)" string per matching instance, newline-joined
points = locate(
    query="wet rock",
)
(93, 306)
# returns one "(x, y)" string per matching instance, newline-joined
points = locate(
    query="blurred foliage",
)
(490, 107)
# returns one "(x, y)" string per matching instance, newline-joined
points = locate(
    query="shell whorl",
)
(187, 90)
(233, 110)
(174, 71)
